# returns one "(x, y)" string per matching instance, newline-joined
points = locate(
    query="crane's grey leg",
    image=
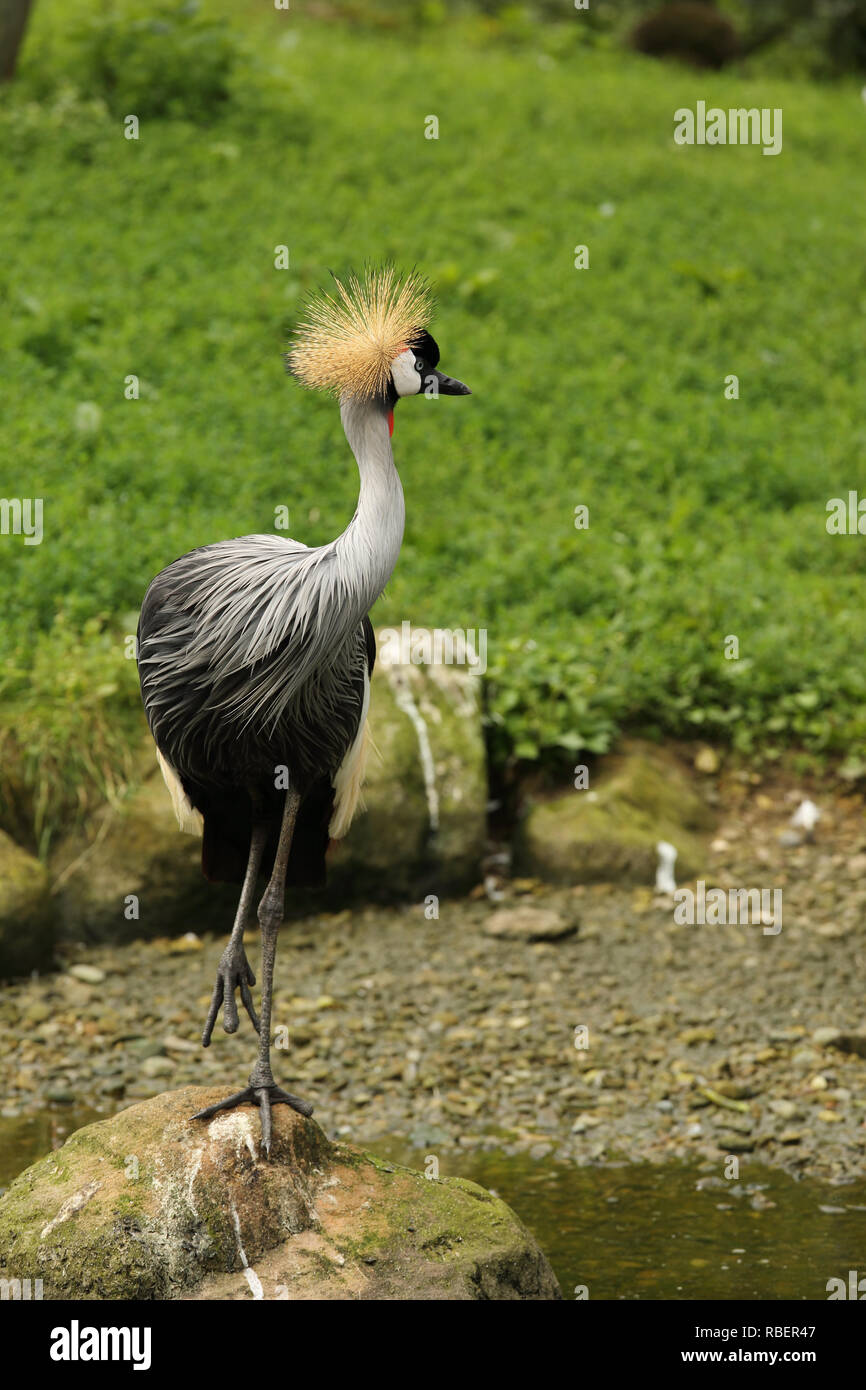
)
(271, 909)
(262, 1090)
(234, 969)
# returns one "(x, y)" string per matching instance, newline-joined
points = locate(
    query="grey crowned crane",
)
(255, 654)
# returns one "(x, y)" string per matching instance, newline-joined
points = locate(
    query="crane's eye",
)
(419, 365)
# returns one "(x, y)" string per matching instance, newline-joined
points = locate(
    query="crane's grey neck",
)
(369, 547)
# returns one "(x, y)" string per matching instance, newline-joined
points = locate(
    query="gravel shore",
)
(700, 1041)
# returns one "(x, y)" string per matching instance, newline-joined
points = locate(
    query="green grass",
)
(603, 387)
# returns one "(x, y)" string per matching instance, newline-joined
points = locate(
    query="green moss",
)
(473, 1188)
(637, 798)
(382, 1165)
(127, 1204)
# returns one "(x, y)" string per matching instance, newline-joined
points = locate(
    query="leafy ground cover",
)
(601, 387)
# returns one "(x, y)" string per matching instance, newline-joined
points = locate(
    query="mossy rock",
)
(154, 1205)
(26, 917)
(134, 849)
(609, 832)
(425, 793)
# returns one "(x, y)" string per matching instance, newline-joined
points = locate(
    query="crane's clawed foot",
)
(264, 1094)
(233, 972)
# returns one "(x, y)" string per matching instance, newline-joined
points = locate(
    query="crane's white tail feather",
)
(188, 818)
(350, 775)
(347, 785)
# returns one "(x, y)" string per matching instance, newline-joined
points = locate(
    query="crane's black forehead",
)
(426, 347)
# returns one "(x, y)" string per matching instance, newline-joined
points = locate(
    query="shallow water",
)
(29, 1137)
(636, 1231)
(642, 1231)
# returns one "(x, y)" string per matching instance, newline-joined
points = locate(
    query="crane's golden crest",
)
(347, 341)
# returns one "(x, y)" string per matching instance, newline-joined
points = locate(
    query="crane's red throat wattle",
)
(390, 422)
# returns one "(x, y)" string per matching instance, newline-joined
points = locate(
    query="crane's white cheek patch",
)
(407, 381)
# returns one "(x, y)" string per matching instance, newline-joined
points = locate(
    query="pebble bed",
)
(625, 1036)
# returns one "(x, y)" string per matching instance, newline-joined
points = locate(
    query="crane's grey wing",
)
(243, 640)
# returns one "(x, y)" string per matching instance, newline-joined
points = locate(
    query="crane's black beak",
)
(446, 385)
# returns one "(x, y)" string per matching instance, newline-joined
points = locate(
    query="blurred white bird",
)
(806, 817)
(665, 881)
